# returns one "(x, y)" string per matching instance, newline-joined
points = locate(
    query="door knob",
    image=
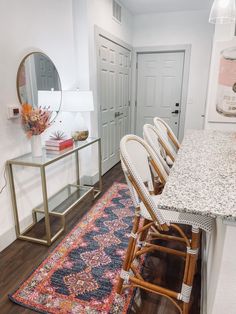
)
(117, 114)
(175, 112)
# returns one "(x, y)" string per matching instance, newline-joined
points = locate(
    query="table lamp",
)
(78, 101)
(49, 98)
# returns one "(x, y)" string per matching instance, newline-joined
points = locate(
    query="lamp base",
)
(80, 135)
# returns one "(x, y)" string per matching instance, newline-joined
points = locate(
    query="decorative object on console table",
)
(78, 101)
(58, 146)
(35, 121)
(80, 135)
(58, 135)
(36, 145)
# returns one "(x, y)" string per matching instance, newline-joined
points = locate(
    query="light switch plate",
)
(13, 111)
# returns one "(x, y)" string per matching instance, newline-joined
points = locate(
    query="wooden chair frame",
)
(151, 136)
(141, 242)
(170, 133)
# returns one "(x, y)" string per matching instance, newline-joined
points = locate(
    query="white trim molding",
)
(101, 32)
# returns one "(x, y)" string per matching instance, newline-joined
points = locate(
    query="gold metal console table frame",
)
(75, 192)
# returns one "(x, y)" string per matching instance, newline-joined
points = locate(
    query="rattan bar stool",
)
(168, 139)
(152, 223)
(152, 136)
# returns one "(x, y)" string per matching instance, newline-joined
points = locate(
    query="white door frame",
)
(98, 31)
(156, 49)
(101, 32)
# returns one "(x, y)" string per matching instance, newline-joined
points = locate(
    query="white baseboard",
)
(90, 180)
(9, 236)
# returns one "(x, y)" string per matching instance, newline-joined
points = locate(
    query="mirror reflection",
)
(38, 83)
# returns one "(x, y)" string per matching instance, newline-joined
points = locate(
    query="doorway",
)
(161, 88)
(114, 64)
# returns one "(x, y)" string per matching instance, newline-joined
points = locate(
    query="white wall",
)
(26, 26)
(222, 33)
(177, 28)
(64, 30)
(100, 14)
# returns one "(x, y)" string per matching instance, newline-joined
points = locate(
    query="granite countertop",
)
(203, 178)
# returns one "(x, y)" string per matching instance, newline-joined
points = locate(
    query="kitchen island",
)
(203, 182)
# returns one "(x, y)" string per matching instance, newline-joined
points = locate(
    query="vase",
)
(36, 146)
(80, 135)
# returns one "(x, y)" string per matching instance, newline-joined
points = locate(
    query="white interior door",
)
(114, 90)
(159, 89)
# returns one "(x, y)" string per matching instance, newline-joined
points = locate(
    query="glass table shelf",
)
(64, 200)
(47, 158)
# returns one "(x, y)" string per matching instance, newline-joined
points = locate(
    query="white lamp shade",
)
(77, 101)
(223, 12)
(51, 99)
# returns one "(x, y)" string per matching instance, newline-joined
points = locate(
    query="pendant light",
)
(223, 12)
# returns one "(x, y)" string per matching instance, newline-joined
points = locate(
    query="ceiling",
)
(151, 6)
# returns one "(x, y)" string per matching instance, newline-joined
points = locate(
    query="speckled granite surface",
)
(203, 178)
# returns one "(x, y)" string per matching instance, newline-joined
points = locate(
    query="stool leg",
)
(185, 308)
(143, 235)
(128, 255)
(192, 261)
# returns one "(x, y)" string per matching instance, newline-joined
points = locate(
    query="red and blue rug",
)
(81, 274)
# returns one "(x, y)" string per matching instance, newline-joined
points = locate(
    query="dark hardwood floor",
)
(19, 259)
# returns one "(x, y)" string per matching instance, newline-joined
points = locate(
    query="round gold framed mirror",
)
(38, 83)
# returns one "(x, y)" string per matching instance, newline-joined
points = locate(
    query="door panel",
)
(160, 77)
(105, 132)
(114, 84)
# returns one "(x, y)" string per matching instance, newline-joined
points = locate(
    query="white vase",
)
(36, 145)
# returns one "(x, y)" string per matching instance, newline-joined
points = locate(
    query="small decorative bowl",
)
(80, 135)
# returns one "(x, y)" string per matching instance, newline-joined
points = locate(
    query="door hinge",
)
(136, 103)
(136, 65)
(129, 103)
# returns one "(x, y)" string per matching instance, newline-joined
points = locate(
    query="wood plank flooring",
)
(19, 259)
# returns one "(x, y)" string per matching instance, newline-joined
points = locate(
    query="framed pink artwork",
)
(222, 87)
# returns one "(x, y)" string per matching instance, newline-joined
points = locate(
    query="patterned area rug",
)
(81, 274)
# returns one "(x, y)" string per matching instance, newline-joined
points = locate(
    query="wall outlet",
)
(13, 111)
